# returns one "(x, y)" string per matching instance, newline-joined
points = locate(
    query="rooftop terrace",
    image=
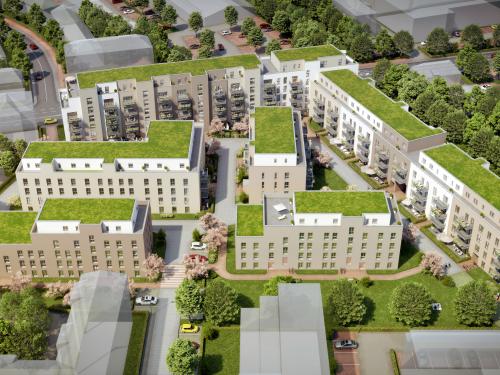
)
(348, 203)
(383, 107)
(145, 72)
(166, 139)
(274, 130)
(250, 220)
(87, 211)
(15, 227)
(307, 53)
(469, 171)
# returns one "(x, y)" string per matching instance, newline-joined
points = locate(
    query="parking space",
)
(347, 359)
(374, 348)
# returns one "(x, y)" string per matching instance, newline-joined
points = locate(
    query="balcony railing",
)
(440, 204)
(462, 245)
(183, 98)
(421, 192)
(419, 206)
(400, 176)
(437, 223)
(318, 119)
(465, 233)
(363, 157)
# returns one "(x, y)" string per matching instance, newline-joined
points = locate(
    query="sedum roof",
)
(15, 227)
(307, 53)
(383, 107)
(274, 130)
(348, 203)
(469, 171)
(250, 220)
(87, 210)
(166, 139)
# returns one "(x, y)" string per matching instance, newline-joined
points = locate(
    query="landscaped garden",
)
(327, 177)
(136, 342)
(222, 354)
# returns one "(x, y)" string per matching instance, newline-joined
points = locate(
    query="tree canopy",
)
(475, 304)
(411, 304)
(182, 357)
(220, 303)
(346, 303)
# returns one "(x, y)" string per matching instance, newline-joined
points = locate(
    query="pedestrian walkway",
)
(172, 276)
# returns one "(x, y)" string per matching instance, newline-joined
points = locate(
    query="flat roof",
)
(274, 130)
(166, 139)
(15, 227)
(250, 220)
(87, 210)
(307, 53)
(145, 72)
(387, 110)
(348, 203)
(469, 171)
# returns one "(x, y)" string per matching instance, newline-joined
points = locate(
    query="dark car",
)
(220, 46)
(194, 46)
(33, 46)
(346, 344)
(38, 76)
(264, 26)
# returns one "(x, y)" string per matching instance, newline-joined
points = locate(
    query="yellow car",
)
(189, 328)
(50, 121)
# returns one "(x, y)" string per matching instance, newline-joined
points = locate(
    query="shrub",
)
(182, 357)
(243, 197)
(213, 255)
(475, 304)
(448, 281)
(196, 235)
(271, 287)
(366, 282)
(411, 304)
(346, 303)
(221, 306)
(210, 332)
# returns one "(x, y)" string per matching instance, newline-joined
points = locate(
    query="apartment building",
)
(119, 103)
(276, 157)
(380, 132)
(461, 198)
(166, 169)
(287, 74)
(68, 237)
(319, 230)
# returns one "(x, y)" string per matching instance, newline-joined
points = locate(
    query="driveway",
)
(225, 196)
(373, 351)
(179, 237)
(162, 331)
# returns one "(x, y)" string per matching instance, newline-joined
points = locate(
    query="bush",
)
(394, 362)
(196, 235)
(475, 304)
(366, 282)
(213, 255)
(411, 304)
(209, 332)
(243, 197)
(271, 287)
(448, 281)
(346, 303)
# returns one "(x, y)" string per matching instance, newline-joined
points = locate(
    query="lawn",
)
(222, 355)
(307, 53)
(349, 203)
(136, 343)
(380, 105)
(274, 130)
(15, 226)
(479, 275)
(250, 220)
(231, 256)
(327, 177)
(409, 257)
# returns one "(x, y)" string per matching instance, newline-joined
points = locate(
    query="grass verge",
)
(394, 362)
(53, 279)
(374, 184)
(410, 216)
(409, 257)
(231, 257)
(136, 343)
(316, 272)
(442, 246)
(479, 275)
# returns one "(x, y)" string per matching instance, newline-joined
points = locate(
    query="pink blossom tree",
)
(67, 299)
(19, 282)
(131, 288)
(432, 263)
(241, 127)
(209, 220)
(214, 147)
(216, 127)
(215, 237)
(153, 266)
(196, 267)
(323, 159)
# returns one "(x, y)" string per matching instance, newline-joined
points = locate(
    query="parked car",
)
(146, 300)
(122, 8)
(241, 36)
(456, 34)
(284, 42)
(128, 11)
(220, 46)
(198, 246)
(194, 46)
(346, 344)
(50, 121)
(33, 46)
(264, 26)
(189, 328)
(226, 32)
(38, 76)
(202, 258)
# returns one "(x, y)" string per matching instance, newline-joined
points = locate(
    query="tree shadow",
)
(244, 301)
(370, 309)
(212, 364)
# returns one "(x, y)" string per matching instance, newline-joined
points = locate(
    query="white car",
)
(226, 32)
(198, 246)
(146, 301)
(128, 11)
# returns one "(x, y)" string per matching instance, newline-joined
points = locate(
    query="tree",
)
(410, 231)
(471, 100)
(412, 86)
(207, 38)
(179, 53)
(255, 37)
(379, 71)
(384, 44)
(494, 119)
(188, 298)
(475, 304)
(214, 147)
(273, 45)
(411, 304)
(390, 84)
(241, 127)
(456, 96)
(169, 15)
(487, 103)
(308, 33)
(231, 15)
(472, 35)
(153, 266)
(21, 61)
(12, 7)
(195, 22)
(454, 124)
(220, 303)
(330, 17)
(346, 303)
(7, 337)
(159, 5)
(142, 26)
(361, 48)
(247, 25)
(436, 113)
(53, 32)
(215, 237)
(210, 221)
(281, 22)
(480, 141)
(205, 52)
(4, 29)
(477, 68)
(476, 122)
(5, 143)
(195, 267)
(58, 289)
(35, 17)
(438, 42)
(403, 42)
(271, 286)
(495, 39)
(464, 56)
(493, 154)
(439, 87)
(8, 162)
(423, 102)
(323, 159)
(496, 64)
(182, 357)
(265, 8)
(19, 282)
(117, 26)
(432, 263)
(14, 40)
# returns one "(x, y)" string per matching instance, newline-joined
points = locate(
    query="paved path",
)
(179, 237)
(162, 331)
(6, 194)
(225, 206)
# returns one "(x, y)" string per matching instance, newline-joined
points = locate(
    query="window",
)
(393, 236)
(381, 236)
(351, 230)
(119, 244)
(301, 236)
(334, 236)
(172, 182)
(309, 236)
(106, 244)
(76, 244)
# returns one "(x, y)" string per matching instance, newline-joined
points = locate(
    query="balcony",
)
(400, 176)
(130, 120)
(220, 97)
(183, 98)
(296, 89)
(331, 130)
(237, 92)
(109, 104)
(318, 119)
(184, 105)
(461, 244)
(419, 206)
(363, 157)
(270, 101)
(438, 219)
(465, 232)
(381, 174)
(438, 203)
(132, 110)
(420, 192)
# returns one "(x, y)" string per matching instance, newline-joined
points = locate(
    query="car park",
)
(346, 344)
(226, 32)
(189, 328)
(146, 301)
(198, 246)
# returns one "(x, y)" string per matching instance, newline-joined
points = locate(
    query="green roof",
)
(307, 53)
(274, 130)
(166, 139)
(15, 227)
(145, 72)
(383, 107)
(87, 211)
(469, 171)
(348, 203)
(250, 220)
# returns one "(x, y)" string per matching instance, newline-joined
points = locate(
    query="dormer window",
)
(87, 165)
(118, 228)
(73, 165)
(335, 221)
(65, 228)
(130, 165)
